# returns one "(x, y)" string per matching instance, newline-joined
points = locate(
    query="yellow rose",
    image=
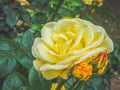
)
(66, 43)
(54, 87)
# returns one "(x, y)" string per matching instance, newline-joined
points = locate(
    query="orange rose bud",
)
(82, 70)
(101, 70)
(102, 60)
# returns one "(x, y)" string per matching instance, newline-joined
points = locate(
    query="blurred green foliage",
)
(16, 39)
(15, 18)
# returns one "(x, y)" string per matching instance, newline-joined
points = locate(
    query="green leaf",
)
(11, 20)
(27, 39)
(31, 12)
(26, 16)
(34, 79)
(88, 85)
(76, 3)
(4, 46)
(7, 63)
(39, 18)
(112, 58)
(6, 9)
(107, 87)
(37, 82)
(7, 45)
(2, 23)
(23, 52)
(36, 27)
(23, 58)
(43, 1)
(69, 83)
(25, 88)
(7, 58)
(65, 11)
(18, 40)
(97, 83)
(88, 17)
(117, 54)
(13, 82)
(82, 87)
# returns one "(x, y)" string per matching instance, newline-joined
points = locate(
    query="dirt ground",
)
(115, 83)
(113, 4)
(110, 20)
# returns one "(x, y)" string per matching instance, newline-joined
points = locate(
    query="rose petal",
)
(43, 52)
(64, 73)
(90, 54)
(46, 32)
(38, 63)
(77, 41)
(53, 66)
(34, 49)
(51, 74)
(65, 25)
(69, 59)
(107, 42)
(88, 35)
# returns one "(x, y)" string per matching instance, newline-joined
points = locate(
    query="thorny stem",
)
(77, 84)
(80, 85)
(61, 83)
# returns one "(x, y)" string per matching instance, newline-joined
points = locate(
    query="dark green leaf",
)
(116, 43)
(37, 82)
(6, 9)
(23, 58)
(7, 59)
(88, 17)
(65, 12)
(23, 53)
(25, 88)
(27, 39)
(117, 54)
(4, 46)
(3, 1)
(97, 83)
(69, 83)
(82, 87)
(7, 63)
(43, 1)
(13, 82)
(107, 88)
(88, 86)
(8, 45)
(39, 18)
(11, 20)
(34, 79)
(2, 23)
(26, 17)
(12, 34)
(18, 40)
